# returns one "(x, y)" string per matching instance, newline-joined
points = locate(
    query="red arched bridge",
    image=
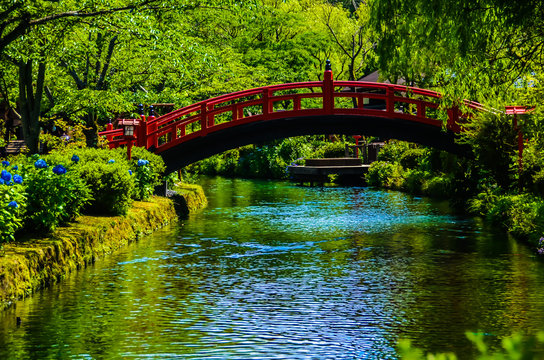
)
(272, 112)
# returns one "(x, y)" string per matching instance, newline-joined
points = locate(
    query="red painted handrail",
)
(313, 98)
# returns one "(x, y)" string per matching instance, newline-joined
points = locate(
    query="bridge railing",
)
(313, 98)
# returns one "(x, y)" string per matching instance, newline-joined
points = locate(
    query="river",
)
(271, 270)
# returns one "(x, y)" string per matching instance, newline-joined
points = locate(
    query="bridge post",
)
(147, 129)
(150, 128)
(390, 101)
(204, 119)
(141, 129)
(453, 119)
(328, 89)
(110, 137)
(267, 104)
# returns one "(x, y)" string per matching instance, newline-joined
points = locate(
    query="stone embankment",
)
(32, 264)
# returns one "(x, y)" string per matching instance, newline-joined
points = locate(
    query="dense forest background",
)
(76, 65)
(86, 62)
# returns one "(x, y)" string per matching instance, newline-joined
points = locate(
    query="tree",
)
(20, 44)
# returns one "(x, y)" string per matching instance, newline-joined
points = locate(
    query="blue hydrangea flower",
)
(40, 164)
(18, 179)
(111, 161)
(5, 163)
(130, 172)
(143, 162)
(15, 168)
(6, 176)
(75, 158)
(1, 181)
(59, 170)
(13, 204)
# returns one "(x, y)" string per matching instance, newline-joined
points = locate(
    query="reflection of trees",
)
(235, 270)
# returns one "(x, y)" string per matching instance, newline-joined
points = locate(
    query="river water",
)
(271, 270)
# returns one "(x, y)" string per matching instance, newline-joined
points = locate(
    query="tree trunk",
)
(30, 102)
(91, 129)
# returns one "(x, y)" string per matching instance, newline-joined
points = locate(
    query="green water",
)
(274, 271)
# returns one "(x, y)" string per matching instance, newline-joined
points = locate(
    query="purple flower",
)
(40, 164)
(13, 204)
(59, 170)
(5, 163)
(18, 179)
(6, 176)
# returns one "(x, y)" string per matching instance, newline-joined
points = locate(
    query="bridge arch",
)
(254, 133)
(273, 112)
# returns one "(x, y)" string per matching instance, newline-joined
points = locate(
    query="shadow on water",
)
(270, 270)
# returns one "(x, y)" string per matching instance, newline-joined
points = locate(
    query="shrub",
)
(413, 181)
(330, 150)
(513, 347)
(393, 150)
(112, 186)
(12, 205)
(437, 186)
(379, 172)
(413, 158)
(55, 195)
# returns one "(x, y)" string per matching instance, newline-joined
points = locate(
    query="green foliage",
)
(11, 214)
(265, 161)
(520, 214)
(440, 186)
(515, 347)
(53, 199)
(379, 172)
(330, 150)
(494, 143)
(111, 185)
(413, 158)
(393, 150)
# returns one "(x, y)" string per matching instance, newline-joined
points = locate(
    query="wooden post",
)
(204, 119)
(390, 101)
(328, 89)
(268, 107)
(149, 127)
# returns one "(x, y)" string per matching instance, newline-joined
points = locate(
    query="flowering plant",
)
(59, 170)
(40, 164)
(12, 208)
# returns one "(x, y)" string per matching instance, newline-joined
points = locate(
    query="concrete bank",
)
(32, 264)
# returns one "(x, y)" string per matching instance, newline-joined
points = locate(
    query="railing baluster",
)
(390, 101)
(204, 119)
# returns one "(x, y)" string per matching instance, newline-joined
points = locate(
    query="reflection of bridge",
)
(272, 112)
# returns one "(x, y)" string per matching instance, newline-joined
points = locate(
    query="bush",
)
(379, 172)
(413, 181)
(12, 203)
(112, 185)
(56, 194)
(513, 347)
(393, 150)
(437, 186)
(330, 150)
(413, 158)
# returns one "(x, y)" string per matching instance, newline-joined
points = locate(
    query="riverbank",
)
(32, 264)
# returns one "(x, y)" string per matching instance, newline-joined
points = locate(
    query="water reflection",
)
(272, 271)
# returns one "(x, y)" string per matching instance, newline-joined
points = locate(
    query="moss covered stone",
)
(31, 264)
(188, 198)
